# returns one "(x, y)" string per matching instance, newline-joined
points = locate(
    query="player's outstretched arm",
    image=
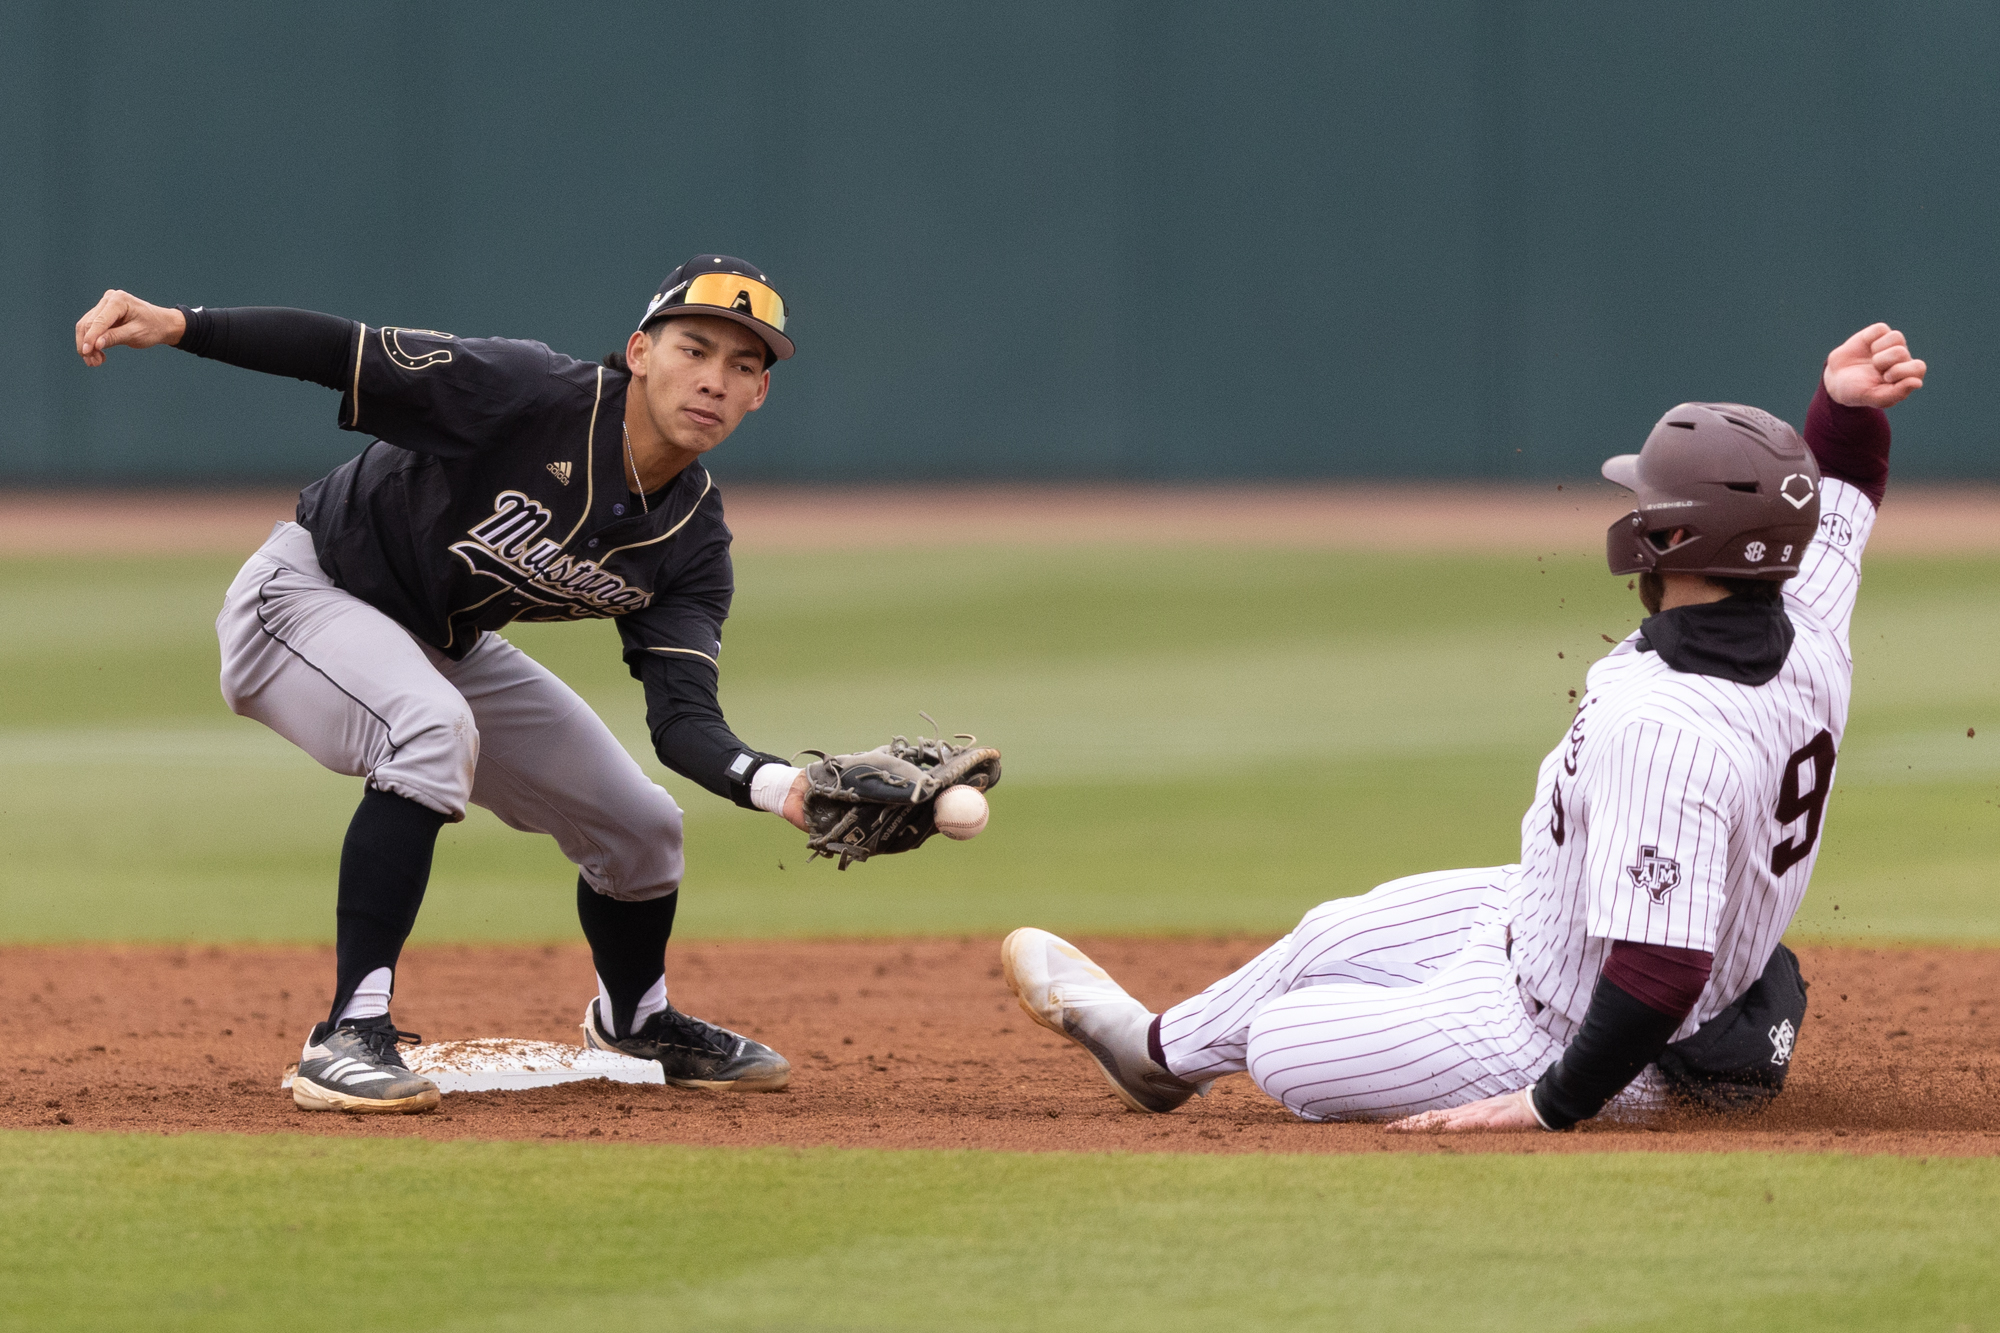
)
(1642, 996)
(120, 319)
(1873, 368)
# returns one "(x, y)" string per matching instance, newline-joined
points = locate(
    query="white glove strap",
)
(770, 785)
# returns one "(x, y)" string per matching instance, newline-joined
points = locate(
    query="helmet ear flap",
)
(1632, 546)
(1626, 549)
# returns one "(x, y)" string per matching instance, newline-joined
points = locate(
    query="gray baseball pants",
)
(357, 692)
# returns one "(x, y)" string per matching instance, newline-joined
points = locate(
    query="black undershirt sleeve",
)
(688, 730)
(1642, 996)
(1620, 1036)
(275, 340)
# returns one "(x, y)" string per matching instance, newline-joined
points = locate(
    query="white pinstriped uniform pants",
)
(1397, 1001)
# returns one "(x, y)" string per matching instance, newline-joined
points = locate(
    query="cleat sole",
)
(310, 1096)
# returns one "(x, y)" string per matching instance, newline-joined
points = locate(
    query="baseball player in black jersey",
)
(505, 482)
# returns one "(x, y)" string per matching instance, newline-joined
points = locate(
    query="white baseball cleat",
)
(1060, 988)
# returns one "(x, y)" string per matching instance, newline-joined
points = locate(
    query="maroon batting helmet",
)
(1737, 483)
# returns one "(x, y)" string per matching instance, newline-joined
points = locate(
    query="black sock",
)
(628, 946)
(385, 863)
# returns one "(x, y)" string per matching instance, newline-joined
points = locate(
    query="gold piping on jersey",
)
(707, 486)
(691, 652)
(590, 473)
(589, 464)
(392, 347)
(360, 341)
(589, 491)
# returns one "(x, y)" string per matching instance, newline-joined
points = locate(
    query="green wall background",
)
(1026, 241)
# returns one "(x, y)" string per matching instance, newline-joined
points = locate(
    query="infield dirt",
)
(895, 1044)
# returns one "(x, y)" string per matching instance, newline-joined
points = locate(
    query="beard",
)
(1651, 588)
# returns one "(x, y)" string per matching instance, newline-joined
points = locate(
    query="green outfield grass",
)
(218, 1233)
(1195, 740)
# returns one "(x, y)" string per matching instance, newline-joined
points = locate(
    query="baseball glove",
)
(884, 800)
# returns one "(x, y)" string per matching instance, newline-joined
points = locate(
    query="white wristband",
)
(770, 785)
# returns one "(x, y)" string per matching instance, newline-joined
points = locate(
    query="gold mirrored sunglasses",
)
(732, 291)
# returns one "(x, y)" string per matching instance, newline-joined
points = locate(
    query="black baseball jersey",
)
(495, 490)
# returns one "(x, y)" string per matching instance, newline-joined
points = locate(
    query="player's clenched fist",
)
(1874, 368)
(121, 319)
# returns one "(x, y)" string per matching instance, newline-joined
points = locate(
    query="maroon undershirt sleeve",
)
(1669, 980)
(1851, 443)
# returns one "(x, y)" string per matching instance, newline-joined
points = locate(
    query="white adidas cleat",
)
(1060, 988)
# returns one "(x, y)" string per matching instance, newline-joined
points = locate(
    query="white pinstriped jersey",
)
(1685, 810)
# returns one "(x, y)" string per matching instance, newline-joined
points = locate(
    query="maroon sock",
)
(1153, 1047)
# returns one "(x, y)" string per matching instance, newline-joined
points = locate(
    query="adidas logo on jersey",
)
(561, 472)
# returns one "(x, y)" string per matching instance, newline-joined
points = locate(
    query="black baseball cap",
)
(727, 288)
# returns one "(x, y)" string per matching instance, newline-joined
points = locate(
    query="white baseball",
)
(961, 812)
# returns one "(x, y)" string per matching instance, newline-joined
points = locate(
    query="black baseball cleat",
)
(695, 1054)
(354, 1067)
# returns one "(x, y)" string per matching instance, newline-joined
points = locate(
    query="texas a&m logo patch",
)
(1782, 1037)
(1654, 873)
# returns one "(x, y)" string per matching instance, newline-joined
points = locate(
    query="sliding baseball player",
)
(1634, 950)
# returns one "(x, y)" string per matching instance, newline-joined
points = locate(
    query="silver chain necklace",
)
(638, 487)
